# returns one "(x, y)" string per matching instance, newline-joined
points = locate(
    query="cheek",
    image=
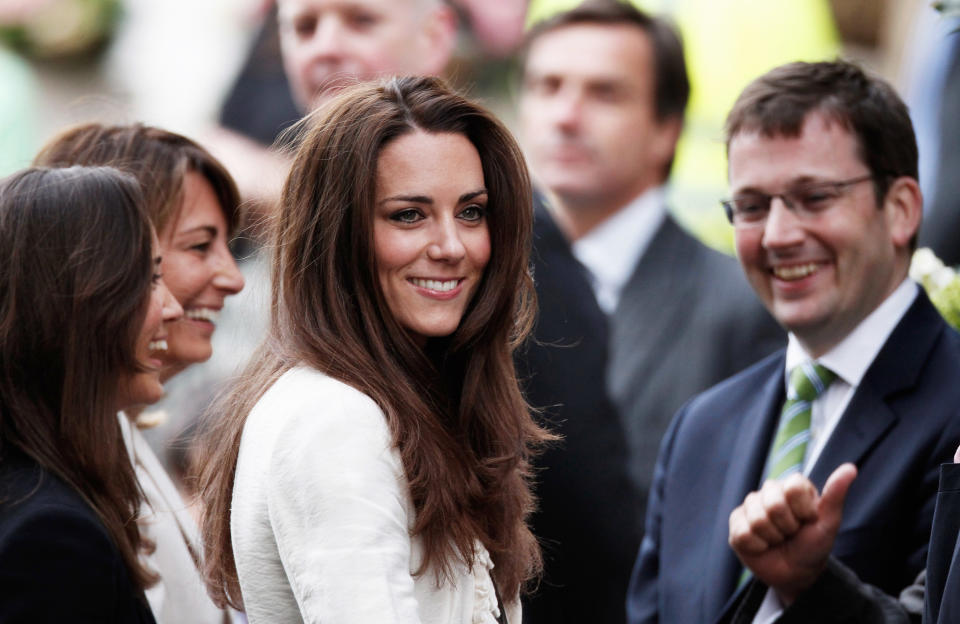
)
(185, 278)
(747, 245)
(393, 251)
(479, 249)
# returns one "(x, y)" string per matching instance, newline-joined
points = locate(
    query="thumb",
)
(830, 506)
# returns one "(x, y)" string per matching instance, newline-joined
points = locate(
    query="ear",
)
(663, 144)
(438, 35)
(903, 207)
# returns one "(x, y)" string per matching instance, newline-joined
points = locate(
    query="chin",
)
(186, 355)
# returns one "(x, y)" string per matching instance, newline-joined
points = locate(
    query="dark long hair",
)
(158, 158)
(75, 278)
(454, 408)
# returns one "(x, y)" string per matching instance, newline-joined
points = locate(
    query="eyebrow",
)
(208, 228)
(423, 199)
(796, 183)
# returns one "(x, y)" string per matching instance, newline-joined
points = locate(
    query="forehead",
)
(292, 8)
(587, 51)
(823, 150)
(420, 161)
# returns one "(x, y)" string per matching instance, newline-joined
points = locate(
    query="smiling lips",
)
(794, 272)
(202, 314)
(158, 345)
(441, 286)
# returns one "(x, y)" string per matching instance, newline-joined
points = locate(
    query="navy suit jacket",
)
(57, 561)
(901, 424)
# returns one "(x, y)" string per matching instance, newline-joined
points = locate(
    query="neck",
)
(576, 218)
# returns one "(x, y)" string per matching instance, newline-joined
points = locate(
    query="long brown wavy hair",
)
(75, 278)
(454, 407)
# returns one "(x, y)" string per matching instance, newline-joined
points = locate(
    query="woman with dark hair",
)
(82, 308)
(194, 204)
(371, 465)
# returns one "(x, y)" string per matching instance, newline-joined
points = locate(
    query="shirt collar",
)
(611, 250)
(852, 356)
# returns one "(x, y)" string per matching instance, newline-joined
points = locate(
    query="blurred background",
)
(175, 64)
(195, 66)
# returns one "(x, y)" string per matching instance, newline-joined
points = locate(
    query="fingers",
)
(778, 510)
(759, 519)
(774, 513)
(801, 497)
(830, 507)
(744, 541)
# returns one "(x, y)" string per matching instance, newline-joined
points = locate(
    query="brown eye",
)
(750, 207)
(473, 212)
(408, 215)
(305, 26)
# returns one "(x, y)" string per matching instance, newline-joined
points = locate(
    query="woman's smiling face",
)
(199, 270)
(430, 233)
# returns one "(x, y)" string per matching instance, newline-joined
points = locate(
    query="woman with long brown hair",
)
(371, 465)
(82, 312)
(194, 203)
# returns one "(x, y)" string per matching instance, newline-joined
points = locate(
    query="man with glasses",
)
(636, 315)
(825, 206)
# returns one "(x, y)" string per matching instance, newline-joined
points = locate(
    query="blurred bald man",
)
(329, 44)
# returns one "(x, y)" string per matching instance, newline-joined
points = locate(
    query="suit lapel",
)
(896, 368)
(656, 292)
(749, 454)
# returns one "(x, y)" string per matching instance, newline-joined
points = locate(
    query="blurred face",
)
(587, 113)
(430, 230)
(200, 272)
(326, 44)
(819, 276)
(143, 387)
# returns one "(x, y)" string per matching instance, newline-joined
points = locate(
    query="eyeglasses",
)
(752, 208)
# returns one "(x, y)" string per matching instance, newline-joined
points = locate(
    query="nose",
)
(171, 307)
(228, 277)
(568, 110)
(782, 228)
(447, 245)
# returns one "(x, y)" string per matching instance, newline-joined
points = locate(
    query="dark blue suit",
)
(901, 424)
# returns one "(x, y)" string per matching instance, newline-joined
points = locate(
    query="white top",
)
(850, 360)
(611, 250)
(180, 597)
(321, 518)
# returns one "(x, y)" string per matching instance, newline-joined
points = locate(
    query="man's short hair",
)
(671, 85)
(777, 103)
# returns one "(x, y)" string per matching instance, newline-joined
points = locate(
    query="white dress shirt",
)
(611, 250)
(850, 360)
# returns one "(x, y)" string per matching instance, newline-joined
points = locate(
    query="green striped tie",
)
(807, 382)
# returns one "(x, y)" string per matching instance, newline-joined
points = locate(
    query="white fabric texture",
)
(180, 596)
(321, 518)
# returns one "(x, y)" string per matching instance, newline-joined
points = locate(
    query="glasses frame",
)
(789, 198)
